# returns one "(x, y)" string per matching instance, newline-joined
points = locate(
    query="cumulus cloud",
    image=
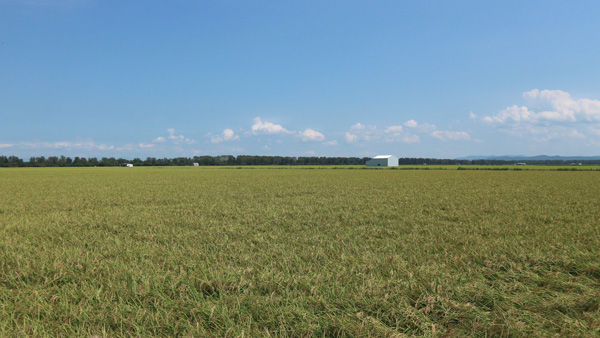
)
(331, 143)
(514, 113)
(172, 135)
(146, 145)
(549, 114)
(6, 145)
(261, 127)
(446, 135)
(264, 127)
(105, 147)
(361, 132)
(419, 127)
(176, 139)
(368, 133)
(408, 132)
(399, 133)
(358, 126)
(311, 135)
(351, 138)
(548, 106)
(394, 129)
(425, 128)
(227, 135)
(411, 123)
(410, 138)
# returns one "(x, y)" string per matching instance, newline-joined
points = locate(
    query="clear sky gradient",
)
(439, 79)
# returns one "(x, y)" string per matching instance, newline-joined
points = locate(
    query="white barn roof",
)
(383, 156)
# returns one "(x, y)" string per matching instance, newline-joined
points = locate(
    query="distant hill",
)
(521, 158)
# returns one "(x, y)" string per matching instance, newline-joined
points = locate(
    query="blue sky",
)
(437, 79)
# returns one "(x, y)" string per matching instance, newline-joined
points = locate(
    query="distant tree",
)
(52, 161)
(14, 161)
(150, 161)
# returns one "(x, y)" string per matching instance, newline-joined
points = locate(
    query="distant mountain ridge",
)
(531, 158)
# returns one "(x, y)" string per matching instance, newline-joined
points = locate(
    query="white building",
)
(383, 161)
(129, 165)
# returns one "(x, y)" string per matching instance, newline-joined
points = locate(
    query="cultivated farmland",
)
(215, 252)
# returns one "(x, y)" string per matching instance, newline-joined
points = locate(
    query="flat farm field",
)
(225, 252)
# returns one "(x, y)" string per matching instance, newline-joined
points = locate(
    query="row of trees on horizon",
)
(241, 160)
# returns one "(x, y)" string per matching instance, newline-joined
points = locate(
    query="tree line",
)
(243, 160)
(221, 160)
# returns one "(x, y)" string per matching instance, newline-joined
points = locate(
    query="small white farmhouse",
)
(383, 161)
(129, 165)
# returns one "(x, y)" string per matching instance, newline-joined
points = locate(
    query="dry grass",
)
(114, 252)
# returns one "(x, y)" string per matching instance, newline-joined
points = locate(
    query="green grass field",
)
(214, 252)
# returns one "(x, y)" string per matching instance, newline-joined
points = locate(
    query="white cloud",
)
(472, 116)
(176, 139)
(410, 131)
(548, 106)
(351, 138)
(172, 135)
(394, 129)
(227, 135)
(514, 113)
(146, 145)
(105, 147)
(410, 138)
(311, 135)
(590, 109)
(411, 123)
(357, 126)
(419, 127)
(549, 114)
(361, 132)
(425, 127)
(398, 133)
(311, 153)
(331, 143)
(446, 135)
(6, 145)
(406, 133)
(260, 127)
